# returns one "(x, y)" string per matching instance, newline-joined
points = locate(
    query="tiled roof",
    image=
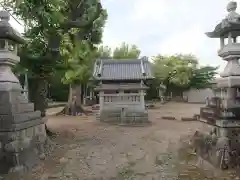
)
(126, 69)
(126, 86)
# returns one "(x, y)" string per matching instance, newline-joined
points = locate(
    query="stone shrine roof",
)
(125, 86)
(124, 69)
(7, 31)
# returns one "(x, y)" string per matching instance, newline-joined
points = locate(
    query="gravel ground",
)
(86, 149)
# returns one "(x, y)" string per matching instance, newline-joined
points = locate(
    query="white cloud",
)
(193, 41)
(186, 41)
(110, 39)
(149, 10)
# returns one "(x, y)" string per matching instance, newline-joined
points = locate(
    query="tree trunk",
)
(40, 99)
(74, 105)
(77, 92)
(68, 105)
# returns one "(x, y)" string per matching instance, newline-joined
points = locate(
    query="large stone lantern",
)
(22, 130)
(222, 146)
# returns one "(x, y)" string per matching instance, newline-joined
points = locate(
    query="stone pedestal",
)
(22, 131)
(124, 117)
(221, 146)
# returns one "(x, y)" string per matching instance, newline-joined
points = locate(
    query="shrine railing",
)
(122, 98)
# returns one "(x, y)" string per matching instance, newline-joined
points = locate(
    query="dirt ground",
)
(89, 150)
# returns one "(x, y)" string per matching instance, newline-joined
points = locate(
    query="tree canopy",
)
(54, 25)
(60, 37)
(182, 71)
(64, 37)
(124, 51)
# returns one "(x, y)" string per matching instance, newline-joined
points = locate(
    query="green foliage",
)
(57, 90)
(73, 26)
(174, 69)
(79, 56)
(182, 71)
(61, 36)
(126, 51)
(104, 52)
(48, 22)
(203, 76)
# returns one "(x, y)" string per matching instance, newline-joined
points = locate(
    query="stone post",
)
(221, 42)
(91, 94)
(142, 101)
(101, 100)
(230, 38)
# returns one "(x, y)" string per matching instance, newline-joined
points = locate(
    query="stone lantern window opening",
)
(235, 39)
(11, 46)
(237, 92)
(230, 40)
(8, 45)
(3, 44)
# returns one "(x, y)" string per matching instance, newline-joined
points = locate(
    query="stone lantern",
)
(22, 130)
(224, 112)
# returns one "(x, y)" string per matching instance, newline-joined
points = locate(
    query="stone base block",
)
(168, 118)
(16, 113)
(220, 147)
(117, 117)
(21, 150)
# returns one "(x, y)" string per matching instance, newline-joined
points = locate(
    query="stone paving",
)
(86, 149)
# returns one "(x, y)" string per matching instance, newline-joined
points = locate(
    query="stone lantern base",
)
(220, 147)
(22, 131)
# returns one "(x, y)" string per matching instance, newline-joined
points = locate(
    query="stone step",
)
(168, 117)
(16, 108)
(135, 115)
(188, 119)
(8, 120)
(129, 117)
(12, 97)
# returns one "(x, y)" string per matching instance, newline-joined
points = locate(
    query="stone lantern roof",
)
(231, 23)
(7, 31)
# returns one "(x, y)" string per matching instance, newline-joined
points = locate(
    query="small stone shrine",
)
(122, 89)
(222, 146)
(22, 130)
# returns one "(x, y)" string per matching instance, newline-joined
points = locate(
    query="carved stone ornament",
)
(233, 17)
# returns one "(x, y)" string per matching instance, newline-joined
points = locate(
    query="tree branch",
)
(83, 24)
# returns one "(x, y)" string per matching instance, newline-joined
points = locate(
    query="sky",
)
(164, 27)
